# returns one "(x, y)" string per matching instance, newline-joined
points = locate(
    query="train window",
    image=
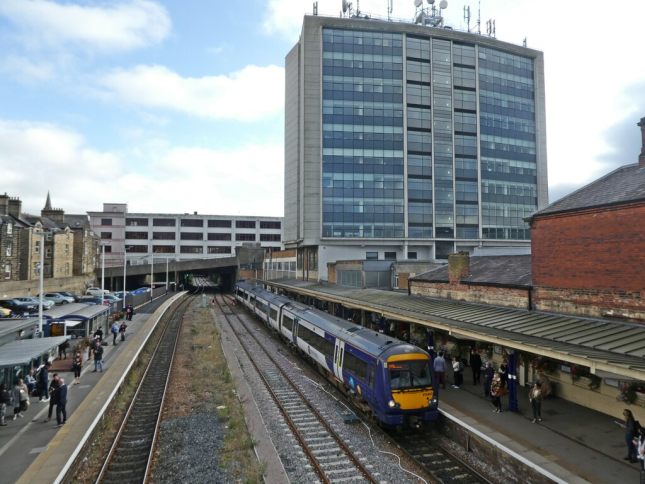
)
(287, 322)
(316, 341)
(409, 374)
(354, 364)
(274, 314)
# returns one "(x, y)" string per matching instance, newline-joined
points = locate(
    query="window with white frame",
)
(7, 271)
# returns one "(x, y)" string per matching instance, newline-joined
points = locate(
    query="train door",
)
(339, 353)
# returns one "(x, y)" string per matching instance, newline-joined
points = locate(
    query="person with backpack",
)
(43, 382)
(115, 331)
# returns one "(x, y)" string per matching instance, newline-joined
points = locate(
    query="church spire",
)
(48, 203)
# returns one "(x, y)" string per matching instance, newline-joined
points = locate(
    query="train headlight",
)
(391, 404)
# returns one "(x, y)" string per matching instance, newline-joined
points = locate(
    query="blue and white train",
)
(388, 379)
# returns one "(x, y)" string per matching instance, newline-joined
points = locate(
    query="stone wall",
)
(76, 285)
(498, 296)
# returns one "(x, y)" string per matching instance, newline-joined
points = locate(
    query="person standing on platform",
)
(115, 331)
(475, 365)
(20, 399)
(457, 368)
(61, 401)
(535, 399)
(497, 391)
(439, 367)
(77, 366)
(52, 395)
(489, 373)
(43, 382)
(98, 358)
(630, 433)
(640, 447)
(5, 399)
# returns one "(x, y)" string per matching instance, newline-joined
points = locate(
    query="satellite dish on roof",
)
(345, 6)
(431, 2)
(417, 3)
(443, 4)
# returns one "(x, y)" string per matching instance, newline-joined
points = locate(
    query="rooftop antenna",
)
(315, 8)
(467, 16)
(479, 17)
(490, 27)
(389, 9)
(524, 42)
(429, 16)
(347, 9)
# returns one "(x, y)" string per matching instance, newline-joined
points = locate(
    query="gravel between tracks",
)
(187, 453)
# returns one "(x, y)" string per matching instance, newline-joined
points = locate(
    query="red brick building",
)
(588, 248)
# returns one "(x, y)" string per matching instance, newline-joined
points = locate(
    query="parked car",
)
(110, 298)
(69, 294)
(96, 291)
(90, 299)
(5, 312)
(141, 290)
(18, 307)
(58, 298)
(47, 303)
(120, 294)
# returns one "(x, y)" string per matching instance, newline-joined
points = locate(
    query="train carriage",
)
(388, 378)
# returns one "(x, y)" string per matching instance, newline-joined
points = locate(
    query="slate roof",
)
(76, 221)
(45, 221)
(506, 270)
(623, 185)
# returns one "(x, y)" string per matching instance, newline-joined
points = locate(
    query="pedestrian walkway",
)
(571, 441)
(24, 439)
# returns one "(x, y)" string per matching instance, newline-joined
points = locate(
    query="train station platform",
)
(572, 444)
(33, 450)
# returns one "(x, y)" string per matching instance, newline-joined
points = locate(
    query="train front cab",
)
(408, 379)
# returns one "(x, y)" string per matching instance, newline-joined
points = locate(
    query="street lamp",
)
(167, 258)
(125, 258)
(102, 273)
(152, 272)
(41, 271)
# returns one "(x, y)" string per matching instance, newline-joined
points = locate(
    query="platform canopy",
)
(21, 352)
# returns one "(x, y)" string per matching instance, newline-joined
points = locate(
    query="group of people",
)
(54, 391)
(495, 383)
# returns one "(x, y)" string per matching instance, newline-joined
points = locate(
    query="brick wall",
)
(591, 263)
(498, 296)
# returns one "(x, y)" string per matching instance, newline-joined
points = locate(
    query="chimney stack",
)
(641, 157)
(458, 267)
(14, 207)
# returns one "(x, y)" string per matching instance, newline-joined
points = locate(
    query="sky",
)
(177, 105)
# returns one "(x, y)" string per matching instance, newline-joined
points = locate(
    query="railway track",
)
(331, 459)
(436, 460)
(439, 462)
(130, 455)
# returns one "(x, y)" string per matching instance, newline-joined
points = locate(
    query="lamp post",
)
(152, 272)
(102, 273)
(41, 276)
(125, 258)
(167, 258)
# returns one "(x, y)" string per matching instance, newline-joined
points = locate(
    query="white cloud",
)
(42, 157)
(249, 94)
(24, 69)
(109, 25)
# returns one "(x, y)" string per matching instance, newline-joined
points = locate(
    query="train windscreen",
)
(409, 374)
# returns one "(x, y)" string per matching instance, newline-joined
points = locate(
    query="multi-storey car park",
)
(409, 141)
(180, 236)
